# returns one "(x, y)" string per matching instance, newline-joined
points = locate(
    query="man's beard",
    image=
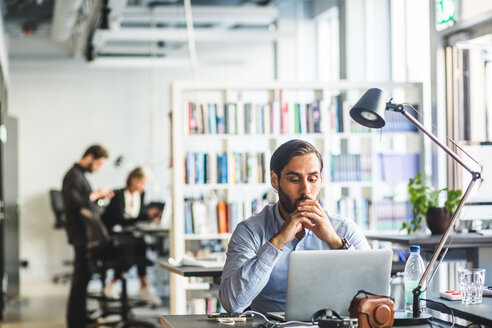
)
(90, 167)
(287, 204)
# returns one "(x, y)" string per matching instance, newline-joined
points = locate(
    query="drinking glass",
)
(471, 284)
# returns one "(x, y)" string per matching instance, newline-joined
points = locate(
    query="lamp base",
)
(404, 318)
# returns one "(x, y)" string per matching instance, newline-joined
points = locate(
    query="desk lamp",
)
(369, 112)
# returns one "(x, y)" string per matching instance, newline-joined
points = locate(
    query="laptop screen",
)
(331, 278)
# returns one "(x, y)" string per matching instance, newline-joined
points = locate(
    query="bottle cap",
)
(415, 248)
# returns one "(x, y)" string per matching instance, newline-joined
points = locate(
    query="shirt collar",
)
(80, 167)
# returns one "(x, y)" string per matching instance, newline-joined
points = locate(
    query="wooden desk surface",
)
(192, 271)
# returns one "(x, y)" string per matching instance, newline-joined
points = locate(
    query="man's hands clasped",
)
(310, 215)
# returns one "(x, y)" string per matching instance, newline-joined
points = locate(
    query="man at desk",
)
(255, 272)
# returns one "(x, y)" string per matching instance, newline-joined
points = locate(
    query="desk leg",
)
(472, 256)
(485, 262)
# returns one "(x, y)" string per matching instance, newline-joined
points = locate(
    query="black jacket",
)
(76, 192)
(115, 211)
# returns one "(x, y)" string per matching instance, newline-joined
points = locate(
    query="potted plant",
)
(425, 203)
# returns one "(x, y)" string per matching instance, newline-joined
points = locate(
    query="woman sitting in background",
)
(127, 208)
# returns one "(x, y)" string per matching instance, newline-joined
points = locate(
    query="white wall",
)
(471, 9)
(368, 35)
(63, 107)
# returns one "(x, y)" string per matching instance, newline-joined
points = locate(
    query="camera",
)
(338, 323)
(327, 318)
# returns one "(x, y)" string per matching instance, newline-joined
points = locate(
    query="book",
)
(199, 168)
(266, 119)
(221, 213)
(199, 211)
(231, 118)
(276, 118)
(284, 119)
(297, 118)
(212, 223)
(247, 118)
(204, 114)
(240, 117)
(303, 119)
(191, 118)
(188, 218)
(222, 168)
(212, 118)
(221, 127)
(190, 167)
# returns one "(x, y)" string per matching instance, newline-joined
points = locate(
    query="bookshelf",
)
(225, 132)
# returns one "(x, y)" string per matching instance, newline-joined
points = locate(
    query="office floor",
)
(44, 305)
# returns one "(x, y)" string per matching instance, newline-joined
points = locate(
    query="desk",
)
(476, 313)
(201, 321)
(472, 247)
(194, 271)
(152, 229)
(428, 242)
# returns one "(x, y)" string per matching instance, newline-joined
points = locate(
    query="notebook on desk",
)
(330, 279)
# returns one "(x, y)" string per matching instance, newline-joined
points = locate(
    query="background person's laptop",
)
(330, 279)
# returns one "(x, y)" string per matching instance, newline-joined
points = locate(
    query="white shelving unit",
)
(328, 142)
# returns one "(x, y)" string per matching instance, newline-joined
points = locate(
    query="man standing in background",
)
(78, 194)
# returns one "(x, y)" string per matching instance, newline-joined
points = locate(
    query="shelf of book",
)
(223, 186)
(225, 132)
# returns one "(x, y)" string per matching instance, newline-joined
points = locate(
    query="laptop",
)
(331, 278)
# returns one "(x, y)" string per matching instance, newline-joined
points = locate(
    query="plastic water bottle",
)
(414, 269)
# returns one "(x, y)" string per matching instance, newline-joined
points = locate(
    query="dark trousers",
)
(77, 308)
(139, 249)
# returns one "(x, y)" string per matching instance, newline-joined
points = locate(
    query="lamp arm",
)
(475, 176)
(418, 290)
(400, 108)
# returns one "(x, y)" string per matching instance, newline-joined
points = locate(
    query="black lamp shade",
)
(369, 110)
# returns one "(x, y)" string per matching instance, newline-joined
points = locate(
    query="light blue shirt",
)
(255, 272)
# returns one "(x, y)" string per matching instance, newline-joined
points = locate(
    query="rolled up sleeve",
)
(247, 269)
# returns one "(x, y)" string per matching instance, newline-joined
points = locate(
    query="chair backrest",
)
(97, 235)
(58, 208)
(102, 252)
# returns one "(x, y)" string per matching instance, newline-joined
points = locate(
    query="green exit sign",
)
(445, 13)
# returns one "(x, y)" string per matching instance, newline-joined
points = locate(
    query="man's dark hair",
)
(282, 156)
(97, 151)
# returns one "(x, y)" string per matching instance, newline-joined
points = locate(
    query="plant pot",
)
(437, 219)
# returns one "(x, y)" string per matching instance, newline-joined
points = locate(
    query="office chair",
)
(105, 253)
(58, 208)
(60, 221)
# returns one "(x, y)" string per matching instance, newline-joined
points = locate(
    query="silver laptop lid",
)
(330, 279)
